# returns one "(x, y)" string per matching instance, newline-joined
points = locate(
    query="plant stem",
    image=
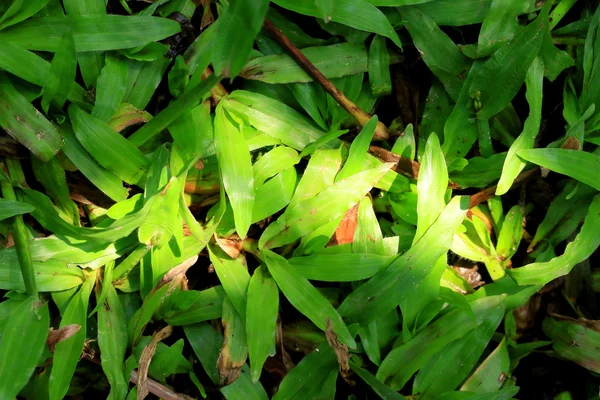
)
(381, 132)
(559, 12)
(20, 234)
(572, 41)
(488, 193)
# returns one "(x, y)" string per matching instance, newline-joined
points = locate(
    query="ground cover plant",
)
(299, 199)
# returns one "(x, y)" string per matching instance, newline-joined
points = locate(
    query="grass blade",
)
(234, 277)
(577, 164)
(177, 108)
(261, 319)
(90, 63)
(328, 205)
(110, 89)
(53, 179)
(238, 26)
(334, 61)
(586, 242)
(104, 180)
(235, 167)
(512, 164)
(111, 150)
(62, 74)
(387, 289)
(304, 297)
(112, 340)
(23, 342)
(509, 66)
(90, 32)
(10, 208)
(379, 67)
(24, 123)
(273, 118)
(440, 53)
(68, 352)
(358, 14)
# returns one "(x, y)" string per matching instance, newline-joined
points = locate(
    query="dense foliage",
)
(299, 199)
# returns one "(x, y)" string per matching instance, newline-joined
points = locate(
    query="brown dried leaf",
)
(231, 245)
(146, 359)
(341, 352)
(345, 230)
(58, 335)
(470, 274)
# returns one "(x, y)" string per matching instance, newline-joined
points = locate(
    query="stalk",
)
(19, 233)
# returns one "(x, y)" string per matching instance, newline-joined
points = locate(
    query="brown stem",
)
(381, 132)
(404, 165)
(488, 193)
(218, 91)
(159, 390)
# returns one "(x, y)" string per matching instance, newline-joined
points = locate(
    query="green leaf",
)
(454, 362)
(110, 149)
(304, 297)
(235, 167)
(358, 14)
(346, 267)
(23, 341)
(62, 74)
(358, 151)
(163, 218)
(90, 32)
(234, 277)
(590, 91)
(379, 67)
(486, 378)
(334, 61)
(439, 52)
(277, 160)
(307, 378)
(387, 289)
(368, 237)
(193, 132)
(585, 243)
(239, 24)
(234, 351)
(382, 390)
(403, 361)
(510, 234)
(90, 63)
(191, 306)
(25, 123)
(103, 179)
(20, 10)
(33, 68)
(48, 217)
(574, 163)
(261, 319)
(508, 65)
(112, 340)
(10, 208)
(143, 79)
(328, 205)
(274, 195)
(431, 186)
(512, 164)
(53, 179)
(319, 174)
(68, 352)
(110, 89)
(206, 343)
(174, 110)
(499, 25)
(273, 118)
(455, 12)
(574, 340)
